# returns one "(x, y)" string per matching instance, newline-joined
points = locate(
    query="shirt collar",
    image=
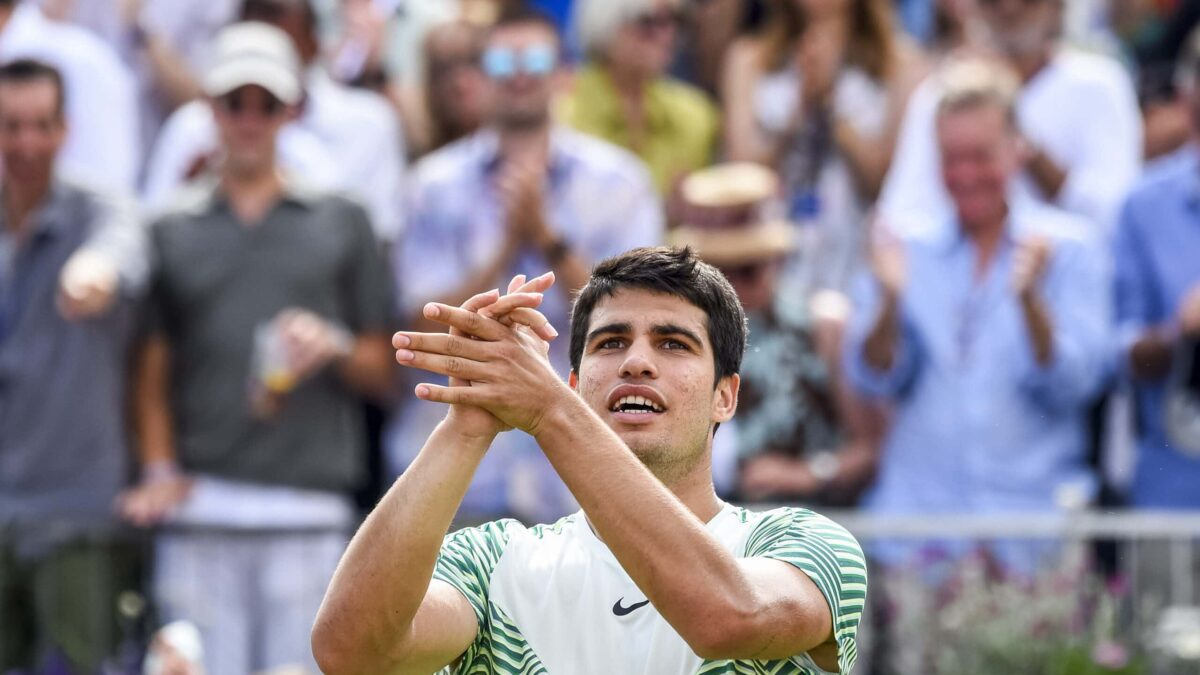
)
(1014, 225)
(561, 158)
(295, 191)
(51, 216)
(25, 21)
(598, 92)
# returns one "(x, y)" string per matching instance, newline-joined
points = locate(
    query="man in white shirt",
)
(344, 138)
(1076, 112)
(102, 145)
(655, 576)
(165, 43)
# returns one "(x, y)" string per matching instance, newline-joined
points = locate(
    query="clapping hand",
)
(514, 312)
(1030, 261)
(495, 355)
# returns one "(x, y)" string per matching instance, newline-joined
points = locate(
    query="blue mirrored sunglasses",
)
(502, 63)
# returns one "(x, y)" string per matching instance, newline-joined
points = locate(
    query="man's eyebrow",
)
(610, 328)
(673, 329)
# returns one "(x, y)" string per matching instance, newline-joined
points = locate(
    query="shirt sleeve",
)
(1111, 145)
(431, 259)
(913, 197)
(186, 138)
(830, 556)
(368, 284)
(895, 382)
(636, 218)
(1138, 299)
(118, 234)
(102, 109)
(468, 558)
(1081, 320)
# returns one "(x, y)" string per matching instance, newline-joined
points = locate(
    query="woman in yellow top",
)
(623, 95)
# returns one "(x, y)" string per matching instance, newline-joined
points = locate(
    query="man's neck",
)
(695, 489)
(252, 194)
(1029, 65)
(630, 83)
(19, 202)
(531, 142)
(987, 236)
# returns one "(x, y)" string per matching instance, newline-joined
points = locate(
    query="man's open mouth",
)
(636, 404)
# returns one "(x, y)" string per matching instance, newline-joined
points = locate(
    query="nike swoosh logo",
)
(622, 611)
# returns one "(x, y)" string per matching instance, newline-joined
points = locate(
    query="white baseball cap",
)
(255, 53)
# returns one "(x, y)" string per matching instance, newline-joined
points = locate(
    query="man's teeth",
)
(636, 404)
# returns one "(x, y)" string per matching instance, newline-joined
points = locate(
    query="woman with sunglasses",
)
(818, 95)
(623, 95)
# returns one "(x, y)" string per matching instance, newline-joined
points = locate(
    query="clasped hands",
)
(496, 356)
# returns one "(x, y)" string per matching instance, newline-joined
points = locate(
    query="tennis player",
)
(655, 575)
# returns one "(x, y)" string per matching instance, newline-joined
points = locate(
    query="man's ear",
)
(725, 398)
(573, 381)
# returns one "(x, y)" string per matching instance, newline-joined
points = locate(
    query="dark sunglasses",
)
(236, 103)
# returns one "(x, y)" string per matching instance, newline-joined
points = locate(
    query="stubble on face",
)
(674, 446)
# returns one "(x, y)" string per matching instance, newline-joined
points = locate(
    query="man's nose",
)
(639, 362)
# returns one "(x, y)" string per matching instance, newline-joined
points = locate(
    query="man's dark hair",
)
(670, 271)
(30, 70)
(517, 13)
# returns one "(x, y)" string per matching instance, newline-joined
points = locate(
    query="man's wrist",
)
(161, 470)
(824, 467)
(341, 339)
(562, 411)
(470, 441)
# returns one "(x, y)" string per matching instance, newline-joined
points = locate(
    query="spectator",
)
(1158, 310)
(72, 261)
(449, 103)
(1076, 114)
(623, 95)
(521, 195)
(708, 30)
(802, 436)
(344, 139)
(266, 287)
(819, 96)
(164, 43)
(101, 147)
(988, 338)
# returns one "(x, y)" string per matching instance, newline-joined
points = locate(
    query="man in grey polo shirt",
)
(270, 315)
(71, 263)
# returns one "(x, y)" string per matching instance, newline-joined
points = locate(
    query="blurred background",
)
(966, 234)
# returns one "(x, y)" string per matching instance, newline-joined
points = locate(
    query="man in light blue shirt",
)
(1158, 310)
(520, 196)
(990, 339)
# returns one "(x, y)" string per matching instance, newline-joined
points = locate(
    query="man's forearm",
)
(881, 344)
(368, 369)
(152, 416)
(1047, 174)
(383, 576)
(1040, 328)
(693, 582)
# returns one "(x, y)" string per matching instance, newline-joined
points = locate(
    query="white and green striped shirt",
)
(552, 599)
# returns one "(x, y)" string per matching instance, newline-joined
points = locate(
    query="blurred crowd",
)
(966, 234)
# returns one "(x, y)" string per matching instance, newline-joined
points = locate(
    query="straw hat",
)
(724, 215)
